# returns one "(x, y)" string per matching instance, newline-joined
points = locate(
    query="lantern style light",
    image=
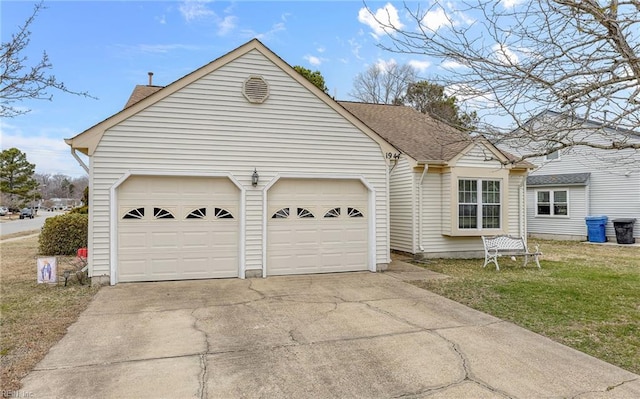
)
(254, 177)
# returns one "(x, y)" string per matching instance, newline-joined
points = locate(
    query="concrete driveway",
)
(351, 335)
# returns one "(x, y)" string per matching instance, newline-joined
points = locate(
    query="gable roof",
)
(565, 179)
(145, 96)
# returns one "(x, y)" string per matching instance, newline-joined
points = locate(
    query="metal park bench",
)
(509, 246)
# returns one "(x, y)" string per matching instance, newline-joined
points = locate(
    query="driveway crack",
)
(202, 388)
(607, 389)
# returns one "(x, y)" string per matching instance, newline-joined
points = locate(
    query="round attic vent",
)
(255, 89)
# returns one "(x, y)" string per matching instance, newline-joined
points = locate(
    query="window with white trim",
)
(479, 204)
(552, 156)
(552, 203)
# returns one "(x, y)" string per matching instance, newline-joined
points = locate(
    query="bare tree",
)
(383, 84)
(20, 81)
(518, 59)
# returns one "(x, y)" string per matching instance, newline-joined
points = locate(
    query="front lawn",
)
(586, 296)
(33, 316)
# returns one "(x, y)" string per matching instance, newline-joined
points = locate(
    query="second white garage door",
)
(317, 226)
(172, 228)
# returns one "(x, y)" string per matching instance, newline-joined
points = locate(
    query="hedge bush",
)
(64, 234)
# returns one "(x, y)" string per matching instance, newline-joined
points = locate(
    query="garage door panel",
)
(200, 246)
(196, 240)
(133, 269)
(133, 241)
(164, 240)
(319, 244)
(196, 265)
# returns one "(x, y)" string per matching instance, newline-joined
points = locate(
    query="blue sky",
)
(107, 47)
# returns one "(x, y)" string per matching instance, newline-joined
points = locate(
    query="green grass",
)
(586, 296)
(33, 316)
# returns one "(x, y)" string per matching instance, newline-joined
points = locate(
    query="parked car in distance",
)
(26, 213)
(3, 210)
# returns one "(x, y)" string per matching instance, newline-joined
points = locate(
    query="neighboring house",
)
(241, 168)
(573, 183)
(447, 189)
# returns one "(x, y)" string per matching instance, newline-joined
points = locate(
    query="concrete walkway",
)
(351, 335)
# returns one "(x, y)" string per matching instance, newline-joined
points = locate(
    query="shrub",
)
(81, 209)
(64, 234)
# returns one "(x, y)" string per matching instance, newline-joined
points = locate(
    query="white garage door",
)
(317, 226)
(173, 228)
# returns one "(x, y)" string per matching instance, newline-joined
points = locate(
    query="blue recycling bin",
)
(596, 228)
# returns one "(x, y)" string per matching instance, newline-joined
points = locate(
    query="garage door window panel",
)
(161, 213)
(304, 213)
(281, 214)
(354, 213)
(222, 213)
(136, 213)
(332, 213)
(199, 213)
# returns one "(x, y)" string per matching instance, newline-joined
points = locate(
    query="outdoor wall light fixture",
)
(254, 177)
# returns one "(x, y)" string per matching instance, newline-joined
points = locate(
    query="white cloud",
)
(226, 25)
(511, 3)
(321, 49)
(420, 66)
(451, 65)
(355, 48)
(385, 64)
(50, 154)
(275, 28)
(313, 60)
(195, 9)
(380, 20)
(435, 19)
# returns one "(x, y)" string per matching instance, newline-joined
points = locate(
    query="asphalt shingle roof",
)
(565, 179)
(140, 92)
(416, 134)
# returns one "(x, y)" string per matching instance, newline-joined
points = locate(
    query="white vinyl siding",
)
(613, 190)
(572, 225)
(401, 202)
(209, 127)
(517, 203)
(436, 216)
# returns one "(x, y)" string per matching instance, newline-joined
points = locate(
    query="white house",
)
(576, 182)
(446, 189)
(240, 168)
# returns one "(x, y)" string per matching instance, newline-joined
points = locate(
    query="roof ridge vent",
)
(255, 89)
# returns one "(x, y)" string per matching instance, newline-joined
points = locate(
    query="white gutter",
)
(84, 166)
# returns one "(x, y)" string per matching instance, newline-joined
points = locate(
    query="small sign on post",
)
(47, 270)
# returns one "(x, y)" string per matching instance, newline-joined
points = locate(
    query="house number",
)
(391, 155)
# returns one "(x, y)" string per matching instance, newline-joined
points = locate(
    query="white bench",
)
(509, 246)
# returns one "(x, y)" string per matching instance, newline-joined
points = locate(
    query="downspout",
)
(522, 193)
(84, 166)
(424, 173)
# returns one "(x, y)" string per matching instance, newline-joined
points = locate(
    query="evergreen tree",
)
(16, 178)
(314, 77)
